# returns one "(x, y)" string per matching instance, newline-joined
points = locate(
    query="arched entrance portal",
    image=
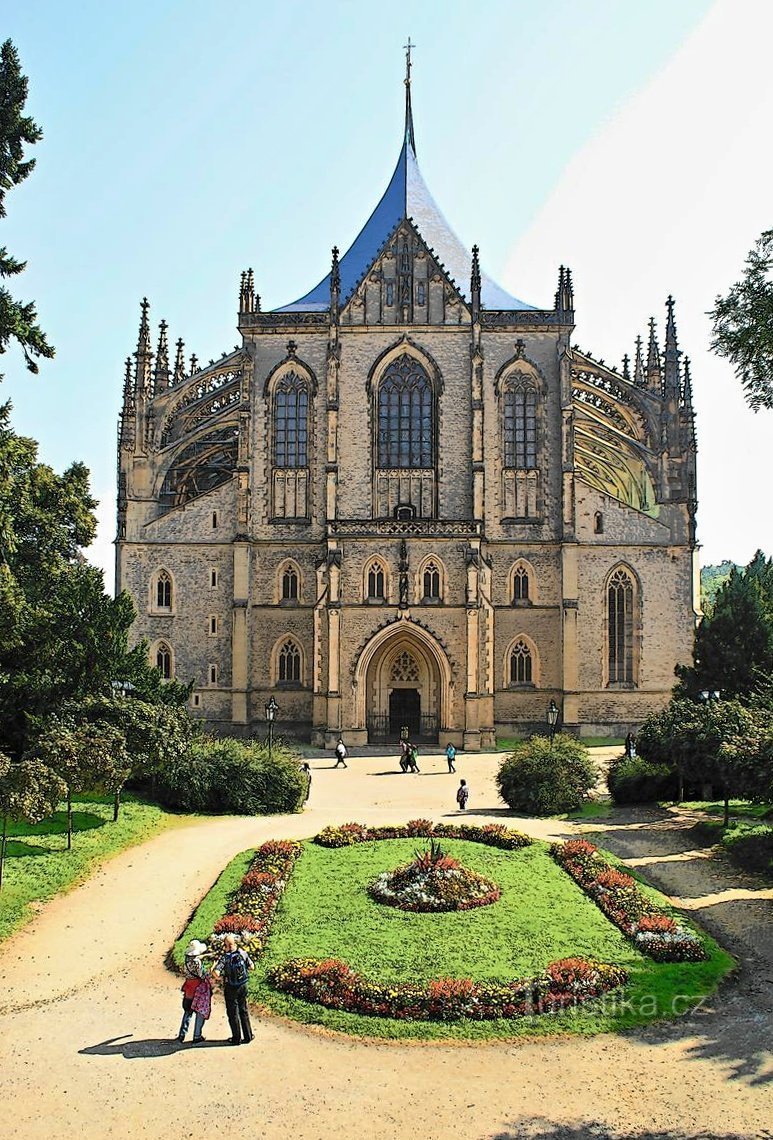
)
(403, 683)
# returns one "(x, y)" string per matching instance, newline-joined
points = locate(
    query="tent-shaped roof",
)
(406, 196)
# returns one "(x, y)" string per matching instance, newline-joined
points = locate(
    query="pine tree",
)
(743, 325)
(18, 319)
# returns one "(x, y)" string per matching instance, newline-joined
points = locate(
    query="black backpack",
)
(235, 968)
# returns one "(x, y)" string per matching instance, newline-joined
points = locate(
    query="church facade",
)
(407, 502)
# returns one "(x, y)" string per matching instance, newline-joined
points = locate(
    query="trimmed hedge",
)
(227, 776)
(751, 847)
(540, 779)
(634, 780)
(331, 983)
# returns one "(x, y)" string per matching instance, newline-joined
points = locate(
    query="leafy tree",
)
(29, 791)
(734, 643)
(743, 325)
(18, 320)
(86, 757)
(156, 735)
(712, 577)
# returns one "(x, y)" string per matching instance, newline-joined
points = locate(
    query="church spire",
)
(653, 360)
(179, 363)
(161, 375)
(638, 367)
(671, 379)
(143, 355)
(410, 138)
(335, 286)
(475, 284)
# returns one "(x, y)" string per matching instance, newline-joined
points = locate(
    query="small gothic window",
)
(163, 591)
(620, 631)
(598, 523)
(390, 293)
(291, 412)
(404, 511)
(289, 662)
(213, 578)
(214, 520)
(405, 416)
(213, 624)
(164, 660)
(290, 585)
(196, 700)
(376, 581)
(432, 580)
(520, 426)
(213, 674)
(520, 664)
(520, 585)
(421, 293)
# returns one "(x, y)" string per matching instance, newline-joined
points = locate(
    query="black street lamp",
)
(708, 695)
(552, 718)
(272, 708)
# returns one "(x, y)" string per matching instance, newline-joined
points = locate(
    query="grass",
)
(591, 809)
(742, 809)
(541, 916)
(507, 743)
(39, 866)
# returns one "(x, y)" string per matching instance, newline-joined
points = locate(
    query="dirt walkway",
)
(88, 1010)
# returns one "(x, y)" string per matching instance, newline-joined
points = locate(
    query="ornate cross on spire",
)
(408, 63)
(409, 135)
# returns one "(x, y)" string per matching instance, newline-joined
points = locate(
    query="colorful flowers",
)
(654, 933)
(491, 834)
(333, 984)
(433, 882)
(252, 905)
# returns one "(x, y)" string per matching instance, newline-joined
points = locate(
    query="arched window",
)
(289, 584)
(405, 416)
(520, 585)
(620, 597)
(163, 590)
(520, 664)
(376, 582)
(291, 415)
(289, 663)
(164, 660)
(520, 426)
(598, 523)
(431, 580)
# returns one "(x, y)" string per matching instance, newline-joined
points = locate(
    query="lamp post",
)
(272, 708)
(552, 718)
(123, 688)
(710, 695)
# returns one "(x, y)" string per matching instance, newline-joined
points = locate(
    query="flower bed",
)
(252, 905)
(433, 882)
(653, 932)
(491, 834)
(331, 983)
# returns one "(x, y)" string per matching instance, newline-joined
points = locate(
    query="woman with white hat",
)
(197, 992)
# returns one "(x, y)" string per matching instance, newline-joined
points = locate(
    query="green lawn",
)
(541, 916)
(39, 866)
(742, 809)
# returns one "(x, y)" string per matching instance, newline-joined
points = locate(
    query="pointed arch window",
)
(620, 632)
(405, 416)
(289, 663)
(520, 425)
(290, 584)
(163, 590)
(520, 586)
(164, 660)
(291, 422)
(376, 582)
(431, 582)
(521, 670)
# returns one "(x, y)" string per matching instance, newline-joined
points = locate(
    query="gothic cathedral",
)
(407, 501)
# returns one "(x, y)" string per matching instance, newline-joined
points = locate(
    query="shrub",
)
(752, 847)
(233, 776)
(539, 780)
(634, 780)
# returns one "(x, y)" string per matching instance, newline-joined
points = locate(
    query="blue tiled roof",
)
(406, 196)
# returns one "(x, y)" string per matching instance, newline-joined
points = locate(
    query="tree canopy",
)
(743, 325)
(18, 319)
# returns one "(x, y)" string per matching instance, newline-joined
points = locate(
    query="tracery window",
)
(163, 590)
(376, 582)
(164, 660)
(520, 426)
(520, 585)
(405, 416)
(620, 599)
(431, 578)
(291, 413)
(289, 663)
(520, 664)
(289, 584)
(405, 668)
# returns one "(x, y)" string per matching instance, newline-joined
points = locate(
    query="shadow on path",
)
(132, 1049)
(542, 1129)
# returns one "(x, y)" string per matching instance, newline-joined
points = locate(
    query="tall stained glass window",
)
(291, 419)
(405, 416)
(620, 628)
(520, 426)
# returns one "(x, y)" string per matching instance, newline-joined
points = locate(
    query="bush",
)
(539, 780)
(232, 776)
(634, 780)
(751, 847)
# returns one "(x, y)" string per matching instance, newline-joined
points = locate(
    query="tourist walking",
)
(196, 991)
(233, 967)
(462, 794)
(341, 753)
(450, 757)
(413, 758)
(405, 755)
(306, 769)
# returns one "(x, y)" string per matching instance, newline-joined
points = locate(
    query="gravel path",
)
(88, 1009)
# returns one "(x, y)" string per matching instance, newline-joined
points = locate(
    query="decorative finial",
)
(179, 363)
(638, 368)
(409, 135)
(653, 360)
(671, 378)
(194, 363)
(475, 284)
(291, 349)
(626, 367)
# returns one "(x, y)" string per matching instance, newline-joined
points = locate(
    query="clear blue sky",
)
(185, 142)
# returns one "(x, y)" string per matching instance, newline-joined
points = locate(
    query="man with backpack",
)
(233, 968)
(341, 753)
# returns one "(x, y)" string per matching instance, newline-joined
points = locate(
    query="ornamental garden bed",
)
(502, 970)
